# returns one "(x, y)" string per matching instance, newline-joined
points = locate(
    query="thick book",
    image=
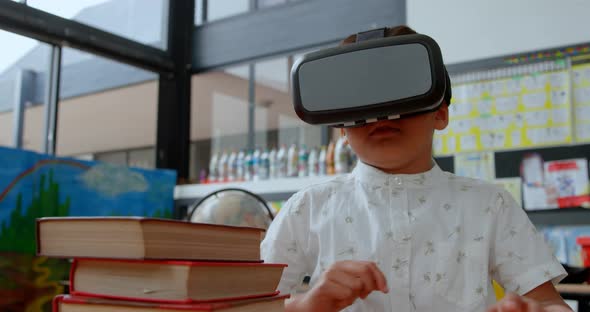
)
(146, 238)
(65, 303)
(173, 281)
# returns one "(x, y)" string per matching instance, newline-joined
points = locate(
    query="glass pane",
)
(219, 121)
(115, 158)
(219, 9)
(25, 61)
(142, 158)
(198, 12)
(277, 125)
(220, 114)
(6, 129)
(133, 19)
(105, 107)
(270, 3)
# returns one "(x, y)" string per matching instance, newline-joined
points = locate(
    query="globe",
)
(232, 207)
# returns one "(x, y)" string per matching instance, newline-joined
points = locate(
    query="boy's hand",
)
(341, 285)
(515, 303)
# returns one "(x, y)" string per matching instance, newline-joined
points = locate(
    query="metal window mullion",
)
(23, 91)
(251, 105)
(204, 13)
(51, 101)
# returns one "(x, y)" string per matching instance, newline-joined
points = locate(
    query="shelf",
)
(579, 289)
(276, 189)
(282, 189)
(563, 216)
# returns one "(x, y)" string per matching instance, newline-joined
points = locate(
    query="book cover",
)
(148, 282)
(146, 306)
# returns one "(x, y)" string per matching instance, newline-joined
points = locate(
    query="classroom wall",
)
(469, 30)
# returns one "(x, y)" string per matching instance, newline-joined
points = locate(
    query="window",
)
(114, 158)
(106, 109)
(133, 19)
(142, 158)
(219, 121)
(139, 158)
(220, 9)
(24, 63)
(275, 120)
(224, 104)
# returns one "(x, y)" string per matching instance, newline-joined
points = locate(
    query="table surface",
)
(582, 289)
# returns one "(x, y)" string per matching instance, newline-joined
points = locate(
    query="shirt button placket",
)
(405, 247)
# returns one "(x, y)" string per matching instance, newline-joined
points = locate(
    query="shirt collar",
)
(371, 175)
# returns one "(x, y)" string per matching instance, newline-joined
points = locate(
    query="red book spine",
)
(187, 307)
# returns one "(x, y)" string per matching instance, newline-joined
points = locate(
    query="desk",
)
(578, 292)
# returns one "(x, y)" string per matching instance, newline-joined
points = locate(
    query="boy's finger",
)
(372, 277)
(512, 303)
(359, 270)
(347, 280)
(531, 305)
(378, 276)
(335, 291)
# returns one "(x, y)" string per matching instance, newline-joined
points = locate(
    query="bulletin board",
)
(581, 90)
(510, 108)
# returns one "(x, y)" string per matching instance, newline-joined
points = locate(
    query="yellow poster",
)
(518, 111)
(581, 87)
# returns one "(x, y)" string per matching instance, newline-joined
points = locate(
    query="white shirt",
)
(438, 238)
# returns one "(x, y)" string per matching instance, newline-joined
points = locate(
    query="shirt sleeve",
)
(286, 242)
(520, 260)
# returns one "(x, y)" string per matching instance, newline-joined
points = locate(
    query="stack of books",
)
(143, 264)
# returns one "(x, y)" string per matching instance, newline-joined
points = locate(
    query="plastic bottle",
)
(222, 165)
(203, 176)
(322, 166)
(313, 165)
(303, 166)
(232, 166)
(292, 161)
(282, 162)
(256, 164)
(248, 162)
(240, 165)
(330, 159)
(341, 157)
(264, 166)
(272, 164)
(213, 169)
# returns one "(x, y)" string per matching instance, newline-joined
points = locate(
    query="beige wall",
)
(116, 119)
(6, 129)
(125, 118)
(205, 86)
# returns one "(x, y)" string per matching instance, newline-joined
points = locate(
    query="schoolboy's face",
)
(398, 146)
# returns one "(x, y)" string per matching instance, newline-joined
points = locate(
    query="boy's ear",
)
(441, 117)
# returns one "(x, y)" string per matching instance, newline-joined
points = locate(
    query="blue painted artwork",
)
(34, 185)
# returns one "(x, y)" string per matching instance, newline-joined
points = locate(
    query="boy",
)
(399, 234)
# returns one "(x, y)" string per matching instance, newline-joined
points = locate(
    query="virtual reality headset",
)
(376, 78)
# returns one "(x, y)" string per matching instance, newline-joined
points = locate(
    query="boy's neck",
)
(413, 167)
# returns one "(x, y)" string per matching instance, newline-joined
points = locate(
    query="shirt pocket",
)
(462, 274)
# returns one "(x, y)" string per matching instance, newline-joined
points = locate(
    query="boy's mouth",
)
(384, 130)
